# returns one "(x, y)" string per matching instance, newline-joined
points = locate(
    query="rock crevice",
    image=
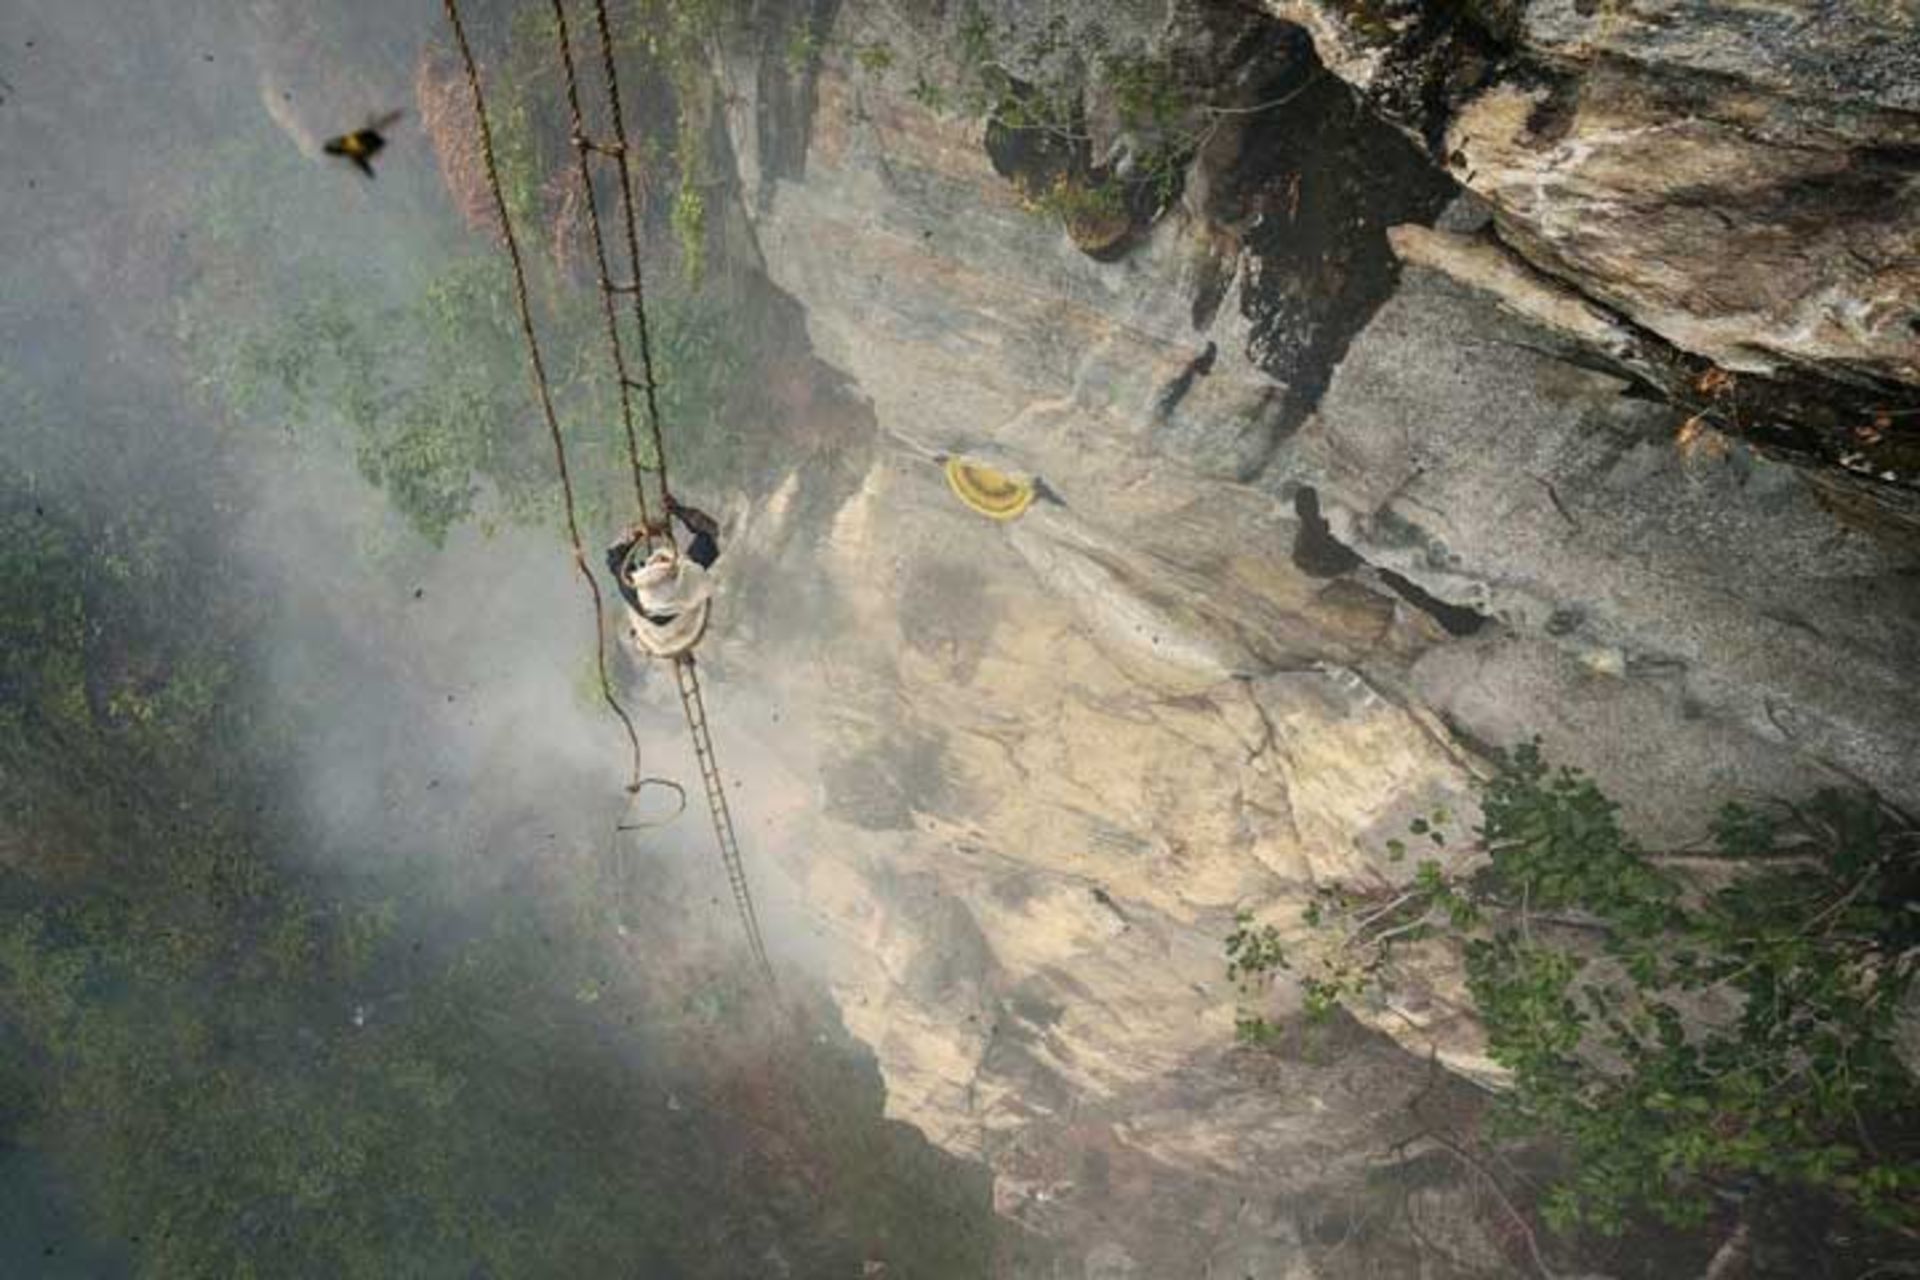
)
(1318, 524)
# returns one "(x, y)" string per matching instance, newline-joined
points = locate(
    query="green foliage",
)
(929, 94)
(678, 37)
(247, 1075)
(1252, 1029)
(804, 45)
(1556, 841)
(1061, 68)
(241, 181)
(333, 1148)
(434, 398)
(43, 622)
(1145, 91)
(1678, 1038)
(78, 656)
(874, 57)
(1080, 203)
(678, 33)
(690, 230)
(1253, 951)
(1050, 103)
(516, 156)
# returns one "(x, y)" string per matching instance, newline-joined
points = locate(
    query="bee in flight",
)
(363, 144)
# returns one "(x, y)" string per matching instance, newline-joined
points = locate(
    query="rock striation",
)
(1349, 475)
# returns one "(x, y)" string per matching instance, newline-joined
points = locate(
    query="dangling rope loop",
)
(686, 674)
(654, 824)
(537, 365)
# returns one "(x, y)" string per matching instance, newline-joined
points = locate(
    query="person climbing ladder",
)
(668, 593)
(668, 589)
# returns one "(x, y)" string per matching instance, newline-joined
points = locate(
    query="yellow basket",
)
(993, 493)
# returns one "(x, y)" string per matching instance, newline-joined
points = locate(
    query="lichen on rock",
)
(1152, 701)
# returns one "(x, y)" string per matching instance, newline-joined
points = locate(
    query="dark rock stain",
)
(1198, 367)
(1310, 191)
(1316, 552)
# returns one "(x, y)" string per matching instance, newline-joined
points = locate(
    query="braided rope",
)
(693, 703)
(545, 395)
(631, 219)
(581, 147)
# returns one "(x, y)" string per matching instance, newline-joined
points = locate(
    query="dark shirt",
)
(703, 550)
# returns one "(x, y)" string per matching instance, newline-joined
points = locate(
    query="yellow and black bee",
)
(363, 144)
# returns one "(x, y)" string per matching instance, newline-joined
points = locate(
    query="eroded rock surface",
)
(1272, 596)
(1738, 179)
(1758, 233)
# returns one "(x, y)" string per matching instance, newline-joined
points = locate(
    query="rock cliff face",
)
(1736, 178)
(1315, 523)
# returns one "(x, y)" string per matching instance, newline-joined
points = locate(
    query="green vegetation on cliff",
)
(243, 1066)
(1719, 1021)
(250, 1070)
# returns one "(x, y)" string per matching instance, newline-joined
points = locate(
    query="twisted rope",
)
(692, 701)
(632, 221)
(582, 146)
(545, 395)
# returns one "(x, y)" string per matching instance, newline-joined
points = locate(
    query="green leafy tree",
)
(1680, 1034)
(249, 1073)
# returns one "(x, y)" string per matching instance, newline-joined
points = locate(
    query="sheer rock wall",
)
(1276, 595)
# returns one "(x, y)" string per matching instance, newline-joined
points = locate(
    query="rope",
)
(545, 395)
(692, 702)
(581, 146)
(651, 824)
(613, 871)
(687, 676)
(632, 221)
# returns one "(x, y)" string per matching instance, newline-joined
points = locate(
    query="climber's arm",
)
(617, 562)
(705, 547)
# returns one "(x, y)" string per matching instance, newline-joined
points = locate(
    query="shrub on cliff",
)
(1711, 1022)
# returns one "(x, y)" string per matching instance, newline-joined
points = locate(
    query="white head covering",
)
(669, 582)
(672, 587)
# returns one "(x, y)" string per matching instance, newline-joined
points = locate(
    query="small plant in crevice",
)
(1690, 1025)
(1095, 134)
(422, 375)
(804, 47)
(874, 57)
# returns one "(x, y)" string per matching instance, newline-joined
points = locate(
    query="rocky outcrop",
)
(1760, 234)
(1536, 492)
(1737, 179)
(1846, 54)
(1314, 524)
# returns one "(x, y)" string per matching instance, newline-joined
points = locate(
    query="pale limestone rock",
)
(1866, 51)
(1482, 262)
(1035, 823)
(1736, 176)
(1732, 226)
(1354, 51)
